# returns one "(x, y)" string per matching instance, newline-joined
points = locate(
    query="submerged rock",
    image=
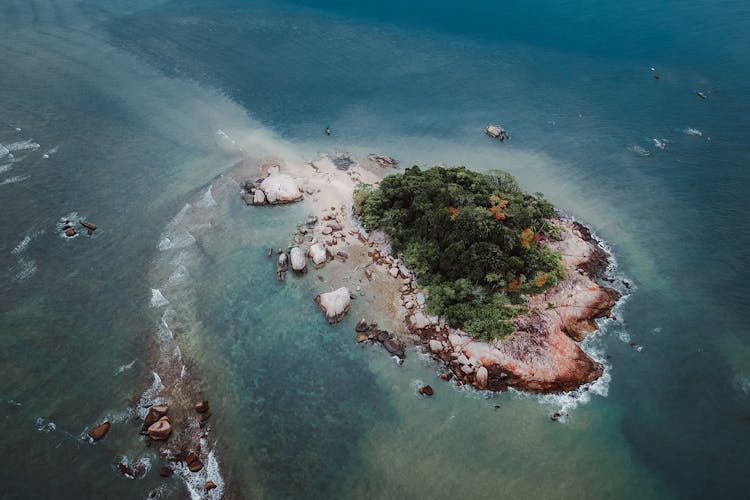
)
(201, 406)
(383, 161)
(334, 304)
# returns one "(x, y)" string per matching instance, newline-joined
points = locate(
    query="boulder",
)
(318, 255)
(334, 304)
(419, 320)
(154, 414)
(210, 485)
(193, 462)
(497, 132)
(99, 431)
(334, 225)
(259, 197)
(436, 346)
(383, 161)
(394, 347)
(201, 406)
(88, 225)
(70, 232)
(160, 430)
(165, 471)
(426, 390)
(299, 263)
(280, 188)
(482, 377)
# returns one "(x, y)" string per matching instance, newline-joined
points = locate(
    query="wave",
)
(5, 168)
(27, 145)
(124, 368)
(43, 425)
(150, 397)
(14, 179)
(208, 200)
(4, 151)
(50, 152)
(639, 151)
(22, 245)
(692, 131)
(157, 299)
(24, 270)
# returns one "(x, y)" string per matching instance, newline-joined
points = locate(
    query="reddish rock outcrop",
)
(543, 354)
(99, 431)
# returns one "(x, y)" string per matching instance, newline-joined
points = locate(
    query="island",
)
(509, 287)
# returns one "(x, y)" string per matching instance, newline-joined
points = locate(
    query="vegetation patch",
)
(472, 239)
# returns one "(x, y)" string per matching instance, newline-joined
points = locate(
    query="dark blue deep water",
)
(109, 110)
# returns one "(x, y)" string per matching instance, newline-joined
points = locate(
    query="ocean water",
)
(130, 114)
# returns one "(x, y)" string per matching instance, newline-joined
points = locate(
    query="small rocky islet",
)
(541, 355)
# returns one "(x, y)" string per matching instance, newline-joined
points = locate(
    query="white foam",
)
(640, 151)
(150, 396)
(208, 200)
(5, 168)
(196, 481)
(22, 245)
(124, 368)
(660, 143)
(24, 270)
(180, 240)
(14, 179)
(22, 146)
(50, 152)
(4, 151)
(45, 426)
(693, 132)
(157, 299)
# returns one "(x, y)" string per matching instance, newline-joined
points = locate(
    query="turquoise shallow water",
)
(125, 99)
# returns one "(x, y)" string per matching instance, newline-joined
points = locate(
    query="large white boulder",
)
(334, 304)
(259, 197)
(297, 256)
(317, 254)
(280, 188)
(482, 376)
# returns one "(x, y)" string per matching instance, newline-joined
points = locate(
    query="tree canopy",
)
(472, 239)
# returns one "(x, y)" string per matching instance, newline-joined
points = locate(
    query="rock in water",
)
(280, 188)
(99, 431)
(160, 430)
(154, 414)
(394, 347)
(482, 377)
(317, 254)
(334, 304)
(210, 485)
(383, 161)
(299, 263)
(201, 406)
(426, 390)
(165, 472)
(497, 132)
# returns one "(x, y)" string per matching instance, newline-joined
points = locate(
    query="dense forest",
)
(472, 239)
